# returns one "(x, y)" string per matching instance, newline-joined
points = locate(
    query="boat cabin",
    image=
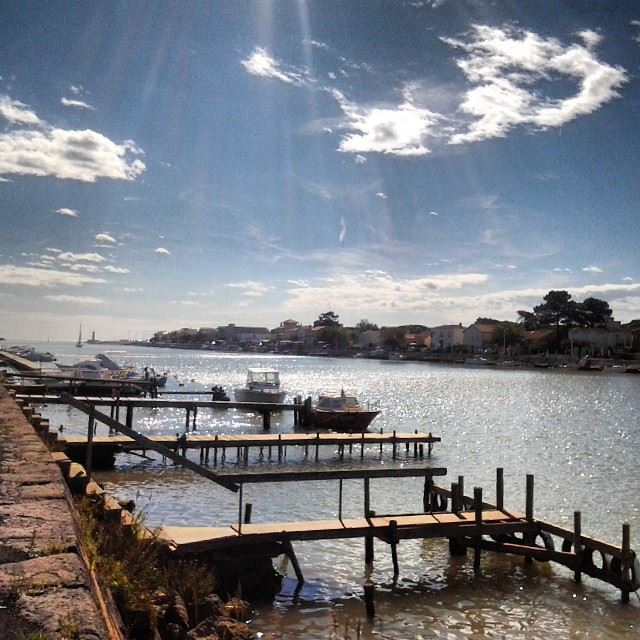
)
(263, 378)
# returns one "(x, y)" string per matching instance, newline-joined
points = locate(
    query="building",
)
(289, 330)
(233, 333)
(478, 337)
(446, 337)
(600, 340)
(370, 339)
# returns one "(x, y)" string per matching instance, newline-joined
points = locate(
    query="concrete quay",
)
(44, 585)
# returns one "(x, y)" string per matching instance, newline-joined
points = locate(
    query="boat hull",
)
(343, 421)
(252, 395)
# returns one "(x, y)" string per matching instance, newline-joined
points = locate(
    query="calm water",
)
(579, 434)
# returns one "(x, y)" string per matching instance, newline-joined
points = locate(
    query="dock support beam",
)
(393, 541)
(291, 554)
(626, 562)
(528, 537)
(500, 489)
(477, 503)
(577, 545)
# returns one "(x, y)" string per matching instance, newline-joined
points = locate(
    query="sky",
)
(172, 164)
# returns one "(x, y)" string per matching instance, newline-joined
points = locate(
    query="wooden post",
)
(477, 503)
(461, 492)
(362, 447)
(577, 545)
(381, 444)
(500, 488)
(454, 497)
(368, 549)
(421, 449)
(426, 493)
(240, 509)
(340, 500)
(247, 513)
(89, 459)
(367, 498)
(429, 445)
(279, 447)
(188, 419)
(266, 420)
(529, 514)
(394, 444)
(317, 445)
(368, 600)
(415, 446)
(195, 416)
(295, 412)
(625, 562)
(129, 416)
(291, 554)
(393, 541)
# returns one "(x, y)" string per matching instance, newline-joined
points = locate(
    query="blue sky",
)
(178, 164)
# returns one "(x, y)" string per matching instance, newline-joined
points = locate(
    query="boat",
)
(478, 361)
(263, 385)
(79, 343)
(341, 412)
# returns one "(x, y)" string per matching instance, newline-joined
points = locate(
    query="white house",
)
(478, 337)
(446, 337)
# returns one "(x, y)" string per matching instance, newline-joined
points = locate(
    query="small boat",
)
(263, 385)
(219, 394)
(341, 413)
(79, 343)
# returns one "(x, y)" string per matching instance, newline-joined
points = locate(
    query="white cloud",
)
(70, 257)
(75, 90)
(12, 275)
(250, 288)
(87, 268)
(69, 155)
(161, 251)
(75, 299)
(105, 238)
(260, 63)
(401, 130)
(77, 104)
(381, 195)
(17, 112)
(112, 269)
(132, 289)
(70, 213)
(343, 230)
(360, 159)
(592, 269)
(53, 250)
(506, 63)
(590, 38)
(433, 213)
(627, 279)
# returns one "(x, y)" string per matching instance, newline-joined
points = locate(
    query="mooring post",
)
(368, 549)
(426, 494)
(380, 443)
(393, 541)
(247, 513)
(454, 497)
(215, 450)
(421, 449)
(188, 423)
(577, 545)
(266, 420)
(317, 445)
(415, 445)
(500, 488)
(367, 498)
(368, 599)
(529, 514)
(394, 444)
(279, 447)
(295, 412)
(195, 416)
(430, 445)
(89, 458)
(461, 492)
(340, 499)
(625, 562)
(477, 503)
(240, 509)
(129, 416)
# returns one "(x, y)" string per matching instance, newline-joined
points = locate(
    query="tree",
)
(365, 325)
(487, 321)
(506, 334)
(393, 338)
(327, 319)
(593, 313)
(558, 308)
(528, 320)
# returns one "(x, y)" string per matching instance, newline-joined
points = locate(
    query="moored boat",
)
(263, 385)
(341, 413)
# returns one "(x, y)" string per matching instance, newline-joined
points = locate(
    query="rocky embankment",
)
(44, 586)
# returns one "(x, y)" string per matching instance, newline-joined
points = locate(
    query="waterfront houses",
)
(446, 337)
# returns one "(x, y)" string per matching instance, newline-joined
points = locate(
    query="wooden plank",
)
(591, 543)
(315, 474)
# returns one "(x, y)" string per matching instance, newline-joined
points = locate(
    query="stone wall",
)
(44, 585)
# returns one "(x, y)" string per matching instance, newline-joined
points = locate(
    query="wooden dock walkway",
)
(212, 447)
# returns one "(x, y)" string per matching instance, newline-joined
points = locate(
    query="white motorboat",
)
(263, 385)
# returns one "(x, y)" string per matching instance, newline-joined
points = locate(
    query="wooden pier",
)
(214, 448)
(466, 521)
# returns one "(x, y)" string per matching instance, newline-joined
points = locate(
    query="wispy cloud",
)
(261, 63)
(592, 269)
(112, 269)
(105, 239)
(381, 195)
(69, 213)
(32, 277)
(16, 112)
(70, 257)
(89, 300)
(343, 230)
(161, 251)
(506, 63)
(77, 104)
(250, 288)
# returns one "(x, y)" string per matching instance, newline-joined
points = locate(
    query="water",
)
(579, 433)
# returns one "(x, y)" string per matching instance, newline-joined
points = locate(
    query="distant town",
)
(559, 329)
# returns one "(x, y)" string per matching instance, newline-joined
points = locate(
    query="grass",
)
(128, 561)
